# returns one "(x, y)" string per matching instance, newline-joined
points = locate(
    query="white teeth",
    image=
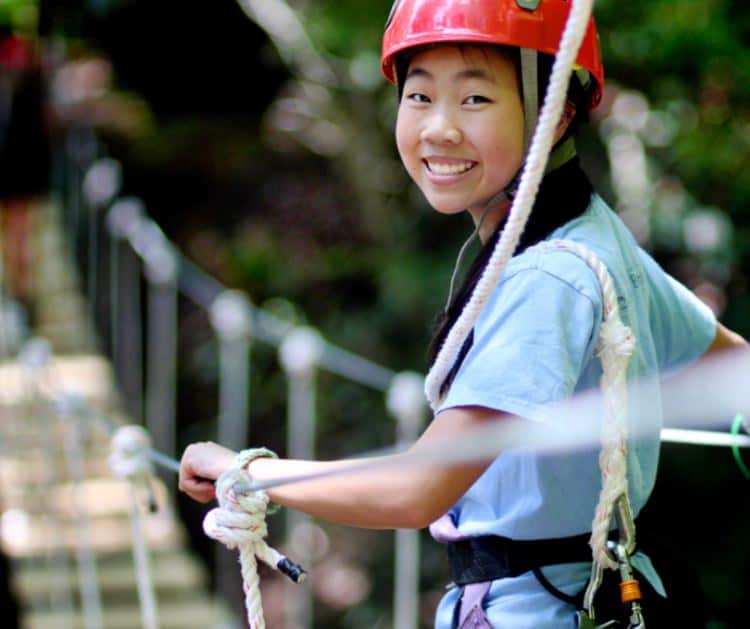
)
(449, 169)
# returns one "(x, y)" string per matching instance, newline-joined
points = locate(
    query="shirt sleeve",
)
(683, 326)
(531, 343)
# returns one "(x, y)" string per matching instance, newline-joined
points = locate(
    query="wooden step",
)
(200, 612)
(175, 575)
(40, 523)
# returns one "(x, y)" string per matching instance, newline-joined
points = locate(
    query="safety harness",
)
(480, 560)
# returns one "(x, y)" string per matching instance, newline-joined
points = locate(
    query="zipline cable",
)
(701, 396)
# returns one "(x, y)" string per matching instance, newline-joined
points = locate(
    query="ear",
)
(567, 117)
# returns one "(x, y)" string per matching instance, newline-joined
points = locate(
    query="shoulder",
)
(557, 270)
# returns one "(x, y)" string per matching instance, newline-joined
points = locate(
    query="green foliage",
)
(344, 236)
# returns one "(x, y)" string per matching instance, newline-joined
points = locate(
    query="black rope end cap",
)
(295, 572)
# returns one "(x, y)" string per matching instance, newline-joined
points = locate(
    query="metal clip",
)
(630, 592)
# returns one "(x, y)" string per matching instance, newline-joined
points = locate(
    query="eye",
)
(476, 99)
(417, 97)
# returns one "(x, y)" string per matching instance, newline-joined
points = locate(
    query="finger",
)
(200, 490)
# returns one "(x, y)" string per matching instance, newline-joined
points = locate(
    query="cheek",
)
(405, 136)
(401, 134)
(507, 143)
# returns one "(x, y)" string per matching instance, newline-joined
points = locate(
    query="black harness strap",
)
(576, 600)
(491, 557)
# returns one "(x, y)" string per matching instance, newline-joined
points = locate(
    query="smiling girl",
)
(469, 74)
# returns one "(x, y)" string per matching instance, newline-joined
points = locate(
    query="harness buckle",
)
(630, 591)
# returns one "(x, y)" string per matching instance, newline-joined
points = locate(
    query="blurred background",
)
(258, 135)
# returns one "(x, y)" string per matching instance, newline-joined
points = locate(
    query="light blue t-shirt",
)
(534, 345)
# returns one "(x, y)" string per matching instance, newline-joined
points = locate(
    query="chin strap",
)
(560, 155)
(530, 91)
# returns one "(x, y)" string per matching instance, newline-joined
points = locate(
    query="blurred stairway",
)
(40, 526)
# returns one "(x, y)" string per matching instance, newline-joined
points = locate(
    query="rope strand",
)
(614, 347)
(522, 204)
(240, 522)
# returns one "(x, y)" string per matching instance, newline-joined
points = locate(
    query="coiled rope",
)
(614, 347)
(240, 522)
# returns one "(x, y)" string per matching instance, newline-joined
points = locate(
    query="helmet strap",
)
(462, 252)
(530, 91)
(559, 156)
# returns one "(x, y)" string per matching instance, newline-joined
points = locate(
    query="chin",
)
(445, 207)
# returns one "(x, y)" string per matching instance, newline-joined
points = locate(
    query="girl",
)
(468, 74)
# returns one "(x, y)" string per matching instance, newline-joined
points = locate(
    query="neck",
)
(487, 220)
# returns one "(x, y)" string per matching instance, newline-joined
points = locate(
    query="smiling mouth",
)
(449, 169)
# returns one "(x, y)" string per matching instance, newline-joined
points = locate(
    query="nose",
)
(440, 128)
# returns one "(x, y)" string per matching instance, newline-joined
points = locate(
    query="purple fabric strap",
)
(471, 615)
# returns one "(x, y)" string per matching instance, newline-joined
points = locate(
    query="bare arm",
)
(725, 339)
(393, 496)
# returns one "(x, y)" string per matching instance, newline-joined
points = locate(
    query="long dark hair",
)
(564, 194)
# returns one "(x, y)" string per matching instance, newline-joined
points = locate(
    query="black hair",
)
(568, 183)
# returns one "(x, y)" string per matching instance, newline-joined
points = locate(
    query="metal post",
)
(115, 245)
(100, 185)
(34, 358)
(81, 148)
(406, 402)
(299, 354)
(123, 221)
(91, 603)
(160, 268)
(230, 317)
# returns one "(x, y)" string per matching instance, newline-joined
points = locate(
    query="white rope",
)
(614, 346)
(34, 362)
(533, 172)
(240, 522)
(88, 581)
(129, 459)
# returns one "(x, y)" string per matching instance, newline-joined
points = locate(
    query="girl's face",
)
(460, 127)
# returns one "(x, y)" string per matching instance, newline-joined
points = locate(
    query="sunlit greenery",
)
(288, 189)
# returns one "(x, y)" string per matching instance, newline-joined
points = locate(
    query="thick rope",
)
(129, 460)
(523, 203)
(614, 347)
(129, 457)
(240, 522)
(91, 600)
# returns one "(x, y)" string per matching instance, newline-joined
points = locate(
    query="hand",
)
(202, 463)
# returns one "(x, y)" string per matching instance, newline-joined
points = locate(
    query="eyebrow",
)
(470, 73)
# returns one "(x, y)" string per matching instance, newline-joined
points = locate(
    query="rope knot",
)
(240, 519)
(128, 457)
(615, 338)
(240, 522)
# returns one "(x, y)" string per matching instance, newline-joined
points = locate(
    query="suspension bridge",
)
(93, 550)
(67, 523)
(89, 549)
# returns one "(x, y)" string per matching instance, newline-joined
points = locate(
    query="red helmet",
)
(534, 24)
